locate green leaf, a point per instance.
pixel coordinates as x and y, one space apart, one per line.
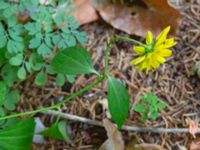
35 61
3 5
3 39
21 73
8 122
16 60
71 78
9 74
144 117
35 42
15 36
154 114
160 105
81 37
44 50
18 136
14 46
41 78
2 113
72 61
49 69
118 101
2 56
69 39
60 79
3 92
33 28
12 21
57 131
28 67
139 108
11 100
8 12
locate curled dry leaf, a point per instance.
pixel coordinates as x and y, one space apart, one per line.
115 140
195 145
133 145
193 127
85 13
148 15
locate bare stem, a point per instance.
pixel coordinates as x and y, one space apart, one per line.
125 127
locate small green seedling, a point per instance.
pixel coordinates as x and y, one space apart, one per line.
197 69
149 107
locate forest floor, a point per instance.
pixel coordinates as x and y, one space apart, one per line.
174 83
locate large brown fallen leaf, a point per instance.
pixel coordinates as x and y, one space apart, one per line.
115 140
85 13
152 15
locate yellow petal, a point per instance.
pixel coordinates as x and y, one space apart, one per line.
160 59
148 66
137 60
149 38
165 53
141 66
139 50
155 63
168 43
162 36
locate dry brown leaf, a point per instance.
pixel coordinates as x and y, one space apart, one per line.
145 146
115 140
133 145
195 145
193 127
178 147
85 13
138 19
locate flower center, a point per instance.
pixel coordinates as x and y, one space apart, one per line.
149 48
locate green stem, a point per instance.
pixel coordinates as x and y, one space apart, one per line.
116 39
28 112
119 38
109 46
101 78
59 115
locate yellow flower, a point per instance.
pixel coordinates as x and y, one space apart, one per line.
153 53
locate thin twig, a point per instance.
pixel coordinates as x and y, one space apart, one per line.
126 128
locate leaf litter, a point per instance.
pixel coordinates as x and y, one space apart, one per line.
137 18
